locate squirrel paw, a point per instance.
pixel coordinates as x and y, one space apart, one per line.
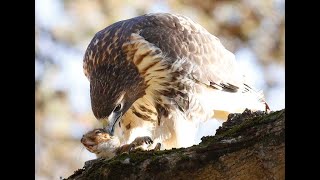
132 148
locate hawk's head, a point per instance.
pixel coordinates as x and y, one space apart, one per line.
113 89
115 82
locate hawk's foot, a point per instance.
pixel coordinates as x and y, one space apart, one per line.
157 147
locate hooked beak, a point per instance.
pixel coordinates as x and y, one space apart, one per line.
113 119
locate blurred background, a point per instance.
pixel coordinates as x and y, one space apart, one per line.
253 30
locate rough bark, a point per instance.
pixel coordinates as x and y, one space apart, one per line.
247 146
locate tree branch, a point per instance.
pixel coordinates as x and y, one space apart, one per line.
247 146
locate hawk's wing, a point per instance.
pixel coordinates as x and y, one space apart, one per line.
179 37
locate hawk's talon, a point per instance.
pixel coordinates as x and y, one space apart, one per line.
157 147
145 139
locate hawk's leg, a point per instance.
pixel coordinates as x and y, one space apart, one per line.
139 141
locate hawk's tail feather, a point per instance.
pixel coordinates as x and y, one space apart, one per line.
259 94
225 102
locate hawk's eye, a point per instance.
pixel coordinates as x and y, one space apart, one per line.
117 108
98 132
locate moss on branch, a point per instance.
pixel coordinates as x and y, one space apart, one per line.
247 146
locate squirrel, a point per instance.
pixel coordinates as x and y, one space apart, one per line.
101 143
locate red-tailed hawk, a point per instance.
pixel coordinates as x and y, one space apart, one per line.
160 75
